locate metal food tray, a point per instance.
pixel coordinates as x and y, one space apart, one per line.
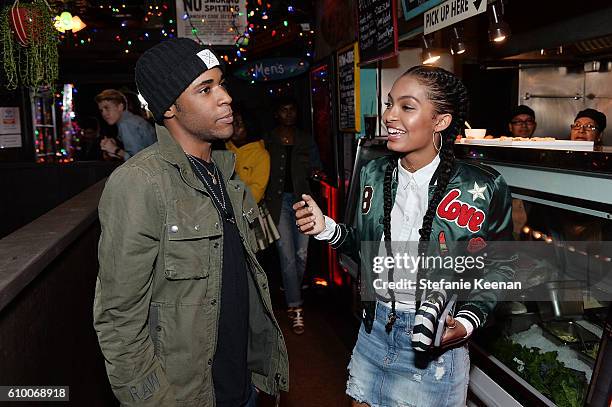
561 330
582 354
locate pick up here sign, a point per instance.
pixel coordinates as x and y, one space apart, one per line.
451 12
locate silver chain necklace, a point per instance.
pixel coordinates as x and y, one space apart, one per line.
197 166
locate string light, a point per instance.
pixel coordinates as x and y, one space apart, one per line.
156 15
262 19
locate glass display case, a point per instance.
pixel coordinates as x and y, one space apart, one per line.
552 349
551 344
44 125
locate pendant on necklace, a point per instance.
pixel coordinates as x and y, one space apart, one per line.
214 180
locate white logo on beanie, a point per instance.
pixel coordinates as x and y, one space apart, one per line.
209 59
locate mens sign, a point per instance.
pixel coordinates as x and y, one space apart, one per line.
451 12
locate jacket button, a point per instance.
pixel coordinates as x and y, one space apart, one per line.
173 228
216 245
209 362
216 225
250 212
213 301
284 381
158 328
197 227
237 187
282 168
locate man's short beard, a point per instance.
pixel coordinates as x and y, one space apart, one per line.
208 137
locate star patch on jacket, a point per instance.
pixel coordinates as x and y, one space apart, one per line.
477 192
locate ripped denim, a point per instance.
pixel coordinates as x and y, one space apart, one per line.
384 371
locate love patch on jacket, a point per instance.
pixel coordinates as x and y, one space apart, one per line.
464 215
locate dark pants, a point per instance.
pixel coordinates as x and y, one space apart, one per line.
252 398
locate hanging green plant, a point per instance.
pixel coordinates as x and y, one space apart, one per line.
29 45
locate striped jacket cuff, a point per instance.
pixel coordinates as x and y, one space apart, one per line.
472 314
339 236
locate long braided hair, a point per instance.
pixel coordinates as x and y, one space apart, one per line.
448 96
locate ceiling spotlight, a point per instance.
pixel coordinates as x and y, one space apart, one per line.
457 44
499 30
428 55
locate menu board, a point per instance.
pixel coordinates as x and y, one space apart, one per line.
377 29
348 89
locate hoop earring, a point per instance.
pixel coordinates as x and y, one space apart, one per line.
433 140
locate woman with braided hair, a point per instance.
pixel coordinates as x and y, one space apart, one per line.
428 198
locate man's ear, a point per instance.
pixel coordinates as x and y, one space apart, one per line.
442 122
170 113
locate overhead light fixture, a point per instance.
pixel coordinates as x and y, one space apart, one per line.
499 30
428 55
457 44
67 22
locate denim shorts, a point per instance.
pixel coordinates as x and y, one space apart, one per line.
384 371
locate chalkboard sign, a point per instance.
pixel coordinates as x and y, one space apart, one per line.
348 89
377 29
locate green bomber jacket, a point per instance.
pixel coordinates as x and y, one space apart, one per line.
157 297
465 218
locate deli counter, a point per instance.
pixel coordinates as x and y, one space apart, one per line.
556 350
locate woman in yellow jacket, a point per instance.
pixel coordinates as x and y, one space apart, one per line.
252 158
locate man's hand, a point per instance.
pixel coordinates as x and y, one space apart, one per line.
109 145
453 335
309 217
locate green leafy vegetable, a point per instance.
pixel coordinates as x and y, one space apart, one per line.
565 387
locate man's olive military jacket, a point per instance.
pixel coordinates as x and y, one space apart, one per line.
157 295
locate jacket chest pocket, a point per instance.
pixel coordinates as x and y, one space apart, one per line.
193 237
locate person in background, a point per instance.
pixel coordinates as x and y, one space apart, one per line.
290 149
133 131
133 103
252 158
522 122
89 143
588 125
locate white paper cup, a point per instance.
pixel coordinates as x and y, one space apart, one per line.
475 133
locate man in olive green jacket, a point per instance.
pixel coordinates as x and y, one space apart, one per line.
173 310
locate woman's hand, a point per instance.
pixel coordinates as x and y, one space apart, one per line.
309 217
453 335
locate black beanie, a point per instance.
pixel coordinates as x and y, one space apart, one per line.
597 116
522 109
164 71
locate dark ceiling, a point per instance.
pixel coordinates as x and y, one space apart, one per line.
119 31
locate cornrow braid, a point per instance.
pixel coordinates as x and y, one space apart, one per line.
448 95
387 207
